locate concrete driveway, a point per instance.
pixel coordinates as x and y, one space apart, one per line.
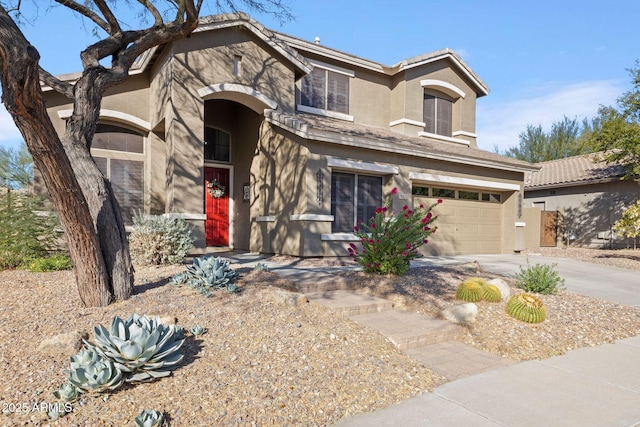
598 281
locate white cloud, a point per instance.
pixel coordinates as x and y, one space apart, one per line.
9 133
500 124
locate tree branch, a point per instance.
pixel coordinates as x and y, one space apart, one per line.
58 85
111 19
85 11
153 10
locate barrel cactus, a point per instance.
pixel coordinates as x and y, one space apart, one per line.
527 308
491 293
478 280
91 372
140 347
469 291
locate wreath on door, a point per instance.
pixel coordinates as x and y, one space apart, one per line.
216 189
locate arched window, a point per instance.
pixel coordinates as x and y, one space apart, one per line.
118 153
438 113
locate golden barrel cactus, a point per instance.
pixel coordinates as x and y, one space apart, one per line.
469 291
527 308
491 293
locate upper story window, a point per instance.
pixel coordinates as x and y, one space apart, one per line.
438 114
217 145
326 91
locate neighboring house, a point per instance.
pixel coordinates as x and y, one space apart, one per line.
301 142
589 196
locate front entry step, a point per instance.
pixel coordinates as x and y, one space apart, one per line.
409 330
348 303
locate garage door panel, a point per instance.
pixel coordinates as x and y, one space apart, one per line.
464 227
468 212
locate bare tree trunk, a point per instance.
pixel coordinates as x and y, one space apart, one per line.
106 216
22 96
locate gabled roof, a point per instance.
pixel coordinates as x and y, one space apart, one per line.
416 61
572 171
325 129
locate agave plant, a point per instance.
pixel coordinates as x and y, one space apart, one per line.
198 330
212 272
142 348
261 267
91 372
67 392
149 418
178 279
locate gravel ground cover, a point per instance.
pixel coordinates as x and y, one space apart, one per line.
264 362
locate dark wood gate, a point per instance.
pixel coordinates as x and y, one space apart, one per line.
548 228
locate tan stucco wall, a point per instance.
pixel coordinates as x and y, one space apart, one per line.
279 186
585 209
207 58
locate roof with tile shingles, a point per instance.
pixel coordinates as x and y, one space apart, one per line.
571 171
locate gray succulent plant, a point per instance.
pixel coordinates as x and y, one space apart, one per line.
91 372
213 273
140 347
149 418
67 392
178 279
198 330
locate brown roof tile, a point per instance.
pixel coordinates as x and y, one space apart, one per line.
315 127
575 170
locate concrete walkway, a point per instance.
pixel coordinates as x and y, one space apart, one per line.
597 386
594 386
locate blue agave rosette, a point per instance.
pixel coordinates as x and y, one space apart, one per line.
141 347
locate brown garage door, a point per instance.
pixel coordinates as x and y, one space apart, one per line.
464 227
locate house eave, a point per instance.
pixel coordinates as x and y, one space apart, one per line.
571 184
305 131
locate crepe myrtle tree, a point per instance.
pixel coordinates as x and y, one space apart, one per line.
83 198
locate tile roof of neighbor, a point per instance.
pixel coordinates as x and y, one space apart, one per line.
573 171
327 129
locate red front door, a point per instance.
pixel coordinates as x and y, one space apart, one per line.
217 207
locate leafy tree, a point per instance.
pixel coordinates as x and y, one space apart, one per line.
16 167
617 130
84 200
565 139
629 224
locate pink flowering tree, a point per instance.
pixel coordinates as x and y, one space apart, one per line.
391 240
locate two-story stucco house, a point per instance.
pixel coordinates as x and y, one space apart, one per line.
273 144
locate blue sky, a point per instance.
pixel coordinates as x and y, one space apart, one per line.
541 60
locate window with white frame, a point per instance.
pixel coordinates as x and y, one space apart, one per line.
354 199
324 89
437 113
121 161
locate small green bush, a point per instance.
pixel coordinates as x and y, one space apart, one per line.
24 234
539 278
55 262
159 240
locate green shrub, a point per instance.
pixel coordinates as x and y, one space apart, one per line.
23 233
391 240
159 240
539 278
55 262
